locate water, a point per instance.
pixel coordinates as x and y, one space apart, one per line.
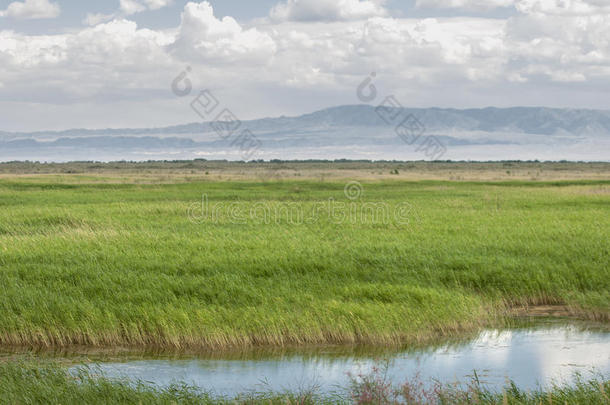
527 356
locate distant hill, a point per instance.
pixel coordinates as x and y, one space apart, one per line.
339 132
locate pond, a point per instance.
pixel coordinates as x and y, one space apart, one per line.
530 357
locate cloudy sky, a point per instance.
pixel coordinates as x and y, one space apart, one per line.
98 64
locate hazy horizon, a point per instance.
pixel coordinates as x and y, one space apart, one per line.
382 132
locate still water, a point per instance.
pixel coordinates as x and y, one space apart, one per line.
529 357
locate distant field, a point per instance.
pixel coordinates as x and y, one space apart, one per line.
201 170
124 255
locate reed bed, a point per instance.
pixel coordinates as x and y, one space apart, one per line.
108 264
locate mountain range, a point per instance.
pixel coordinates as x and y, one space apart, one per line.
358 131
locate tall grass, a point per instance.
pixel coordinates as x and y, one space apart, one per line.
121 264
374 389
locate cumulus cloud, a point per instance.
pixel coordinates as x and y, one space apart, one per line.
97 18
115 58
126 8
327 10
31 9
562 40
429 59
478 5
135 6
563 7
557 7
202 36
530 46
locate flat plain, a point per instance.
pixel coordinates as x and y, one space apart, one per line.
128 254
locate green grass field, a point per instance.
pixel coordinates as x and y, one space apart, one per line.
86 260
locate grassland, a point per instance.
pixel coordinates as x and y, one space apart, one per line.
107 256
26 383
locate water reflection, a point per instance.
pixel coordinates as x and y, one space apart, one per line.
527 356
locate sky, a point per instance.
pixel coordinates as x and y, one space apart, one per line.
109 64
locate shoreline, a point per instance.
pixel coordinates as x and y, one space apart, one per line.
516 318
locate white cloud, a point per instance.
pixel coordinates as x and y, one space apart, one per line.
540 52
157 4
31 9
565 41
97 18
478 5
129 7
564 7
524 48
126 8
557 7
203 37
327 10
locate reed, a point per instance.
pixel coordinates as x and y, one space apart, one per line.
84 262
